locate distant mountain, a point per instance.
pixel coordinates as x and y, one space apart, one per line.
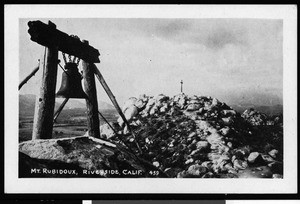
251 98
27 104
270 104
269 110
80 103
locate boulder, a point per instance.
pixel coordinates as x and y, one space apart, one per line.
154 110
192 134
181 100
207 164
255 158
267 158
131 101
193 107
194 101
183 174
214 102
214 139
273 153
194 97
228 120
88 156
228 112
144 98
140 104
239 164
242 152
225 131
202 145
203 125
130 112
106 131
161 98
254 117
256 172
208 175
196 170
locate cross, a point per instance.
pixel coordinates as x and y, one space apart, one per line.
181 86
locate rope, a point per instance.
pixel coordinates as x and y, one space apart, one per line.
62 67
108 123
64 57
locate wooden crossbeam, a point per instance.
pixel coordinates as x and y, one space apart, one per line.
49 36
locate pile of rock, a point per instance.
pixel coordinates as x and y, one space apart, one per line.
254 117
198 137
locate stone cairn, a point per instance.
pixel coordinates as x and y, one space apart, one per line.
199 136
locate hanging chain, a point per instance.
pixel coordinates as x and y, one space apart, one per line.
75 59
69 56
64 57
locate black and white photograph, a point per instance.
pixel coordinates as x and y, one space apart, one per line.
139 98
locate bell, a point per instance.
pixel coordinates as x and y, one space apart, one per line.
71 83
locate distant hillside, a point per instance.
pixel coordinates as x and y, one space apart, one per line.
251 98
80 103
27 104
269 110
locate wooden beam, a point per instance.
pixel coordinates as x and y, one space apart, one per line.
91 101
114 101
43 118
110 95
29 77
48 36
56 114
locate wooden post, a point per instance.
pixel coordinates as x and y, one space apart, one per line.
43 117
91 102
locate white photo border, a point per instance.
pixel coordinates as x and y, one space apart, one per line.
288 184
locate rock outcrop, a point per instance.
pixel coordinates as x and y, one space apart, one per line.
255 117
80 157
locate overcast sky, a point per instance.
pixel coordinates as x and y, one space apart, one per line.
230 59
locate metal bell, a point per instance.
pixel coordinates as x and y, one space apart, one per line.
71 83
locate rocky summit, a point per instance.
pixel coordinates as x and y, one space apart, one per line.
201 137
177 137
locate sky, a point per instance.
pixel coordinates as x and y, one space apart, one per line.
233 60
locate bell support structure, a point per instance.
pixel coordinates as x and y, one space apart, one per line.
54 41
